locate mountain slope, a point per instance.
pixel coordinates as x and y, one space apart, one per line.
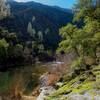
47 18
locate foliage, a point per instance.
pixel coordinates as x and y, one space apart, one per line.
4 9
16 52
3 50
36 41
78 64
30 30
68 43
85 40
11 50
42 18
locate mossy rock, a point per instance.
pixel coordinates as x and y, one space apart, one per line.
96 72
84 84
66 89
83 87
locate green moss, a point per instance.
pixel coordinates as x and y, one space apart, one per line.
83 87
66 89
96 72
96 69
81 84
53 98
57 98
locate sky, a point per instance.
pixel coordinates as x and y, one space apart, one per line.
60 3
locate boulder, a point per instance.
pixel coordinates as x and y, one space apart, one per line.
45 91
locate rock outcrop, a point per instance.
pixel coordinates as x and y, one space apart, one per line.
45 91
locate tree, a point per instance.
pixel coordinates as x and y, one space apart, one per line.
3 51
69 42
86 39
30 30
15 54
40 35
18 50
12 38
4 9
41 48
33 19
87 8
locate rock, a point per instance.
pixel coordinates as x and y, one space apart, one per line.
49 79
0 98
36 91
76 84
43 80
59 84
45 91
28 98
97 98
79 97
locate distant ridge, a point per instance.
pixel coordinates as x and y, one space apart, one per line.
46 17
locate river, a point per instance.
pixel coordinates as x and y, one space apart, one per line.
26 79
23 78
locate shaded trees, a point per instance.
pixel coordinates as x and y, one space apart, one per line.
12 51
36 39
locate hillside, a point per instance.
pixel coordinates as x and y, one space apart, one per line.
48 19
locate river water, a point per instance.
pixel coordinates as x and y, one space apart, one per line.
23 78
28 79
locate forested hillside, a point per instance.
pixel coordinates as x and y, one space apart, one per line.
43 18
29 31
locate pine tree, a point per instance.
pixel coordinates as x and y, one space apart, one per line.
4 9
30 30
40 35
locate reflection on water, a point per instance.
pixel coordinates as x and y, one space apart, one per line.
22 79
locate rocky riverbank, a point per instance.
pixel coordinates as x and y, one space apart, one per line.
49 79
53 87
83 87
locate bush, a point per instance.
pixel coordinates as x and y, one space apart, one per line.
78 65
